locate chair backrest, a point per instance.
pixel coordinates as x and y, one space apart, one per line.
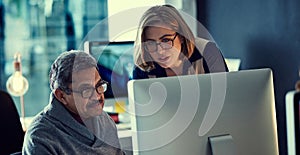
11 131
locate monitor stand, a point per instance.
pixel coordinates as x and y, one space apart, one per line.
222 144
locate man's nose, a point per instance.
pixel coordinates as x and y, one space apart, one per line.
96 95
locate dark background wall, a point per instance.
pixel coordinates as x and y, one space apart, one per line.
262 34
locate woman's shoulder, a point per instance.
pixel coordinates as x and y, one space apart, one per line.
212 55
201 40
201 43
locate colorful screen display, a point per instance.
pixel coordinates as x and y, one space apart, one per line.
115 63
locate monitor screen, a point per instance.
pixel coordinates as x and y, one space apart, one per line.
207 114
115 63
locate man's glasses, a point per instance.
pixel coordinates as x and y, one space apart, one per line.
165 43
88 92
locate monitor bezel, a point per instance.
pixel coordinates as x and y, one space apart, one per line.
88 44
296 121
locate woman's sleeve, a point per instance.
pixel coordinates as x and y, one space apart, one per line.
214 58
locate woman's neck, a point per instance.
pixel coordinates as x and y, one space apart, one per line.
174 71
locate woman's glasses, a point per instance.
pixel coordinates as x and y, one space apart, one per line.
165 43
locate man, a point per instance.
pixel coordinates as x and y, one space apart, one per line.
74 121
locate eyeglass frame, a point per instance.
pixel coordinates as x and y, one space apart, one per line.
101 83
159 43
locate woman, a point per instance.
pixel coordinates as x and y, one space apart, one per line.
165 46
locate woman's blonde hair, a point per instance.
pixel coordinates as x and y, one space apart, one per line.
166 15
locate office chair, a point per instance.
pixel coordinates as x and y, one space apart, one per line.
11 131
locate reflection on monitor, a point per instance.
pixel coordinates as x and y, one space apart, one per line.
115 63
219 113
293 121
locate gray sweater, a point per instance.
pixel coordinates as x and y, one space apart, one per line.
54 131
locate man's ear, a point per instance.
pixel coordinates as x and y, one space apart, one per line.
60 95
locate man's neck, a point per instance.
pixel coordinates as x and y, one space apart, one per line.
76 117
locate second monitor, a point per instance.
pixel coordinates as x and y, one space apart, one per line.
115 63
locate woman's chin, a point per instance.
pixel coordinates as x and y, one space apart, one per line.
164 65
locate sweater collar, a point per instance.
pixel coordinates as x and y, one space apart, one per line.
57 111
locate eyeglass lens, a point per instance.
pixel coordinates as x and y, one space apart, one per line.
165 43
100 88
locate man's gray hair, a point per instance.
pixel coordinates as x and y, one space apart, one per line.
65 64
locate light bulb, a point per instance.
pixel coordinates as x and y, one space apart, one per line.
17 84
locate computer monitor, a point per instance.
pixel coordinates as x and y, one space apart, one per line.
115 63
218 113
293 120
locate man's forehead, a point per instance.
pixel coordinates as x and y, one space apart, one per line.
87 76
87 71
